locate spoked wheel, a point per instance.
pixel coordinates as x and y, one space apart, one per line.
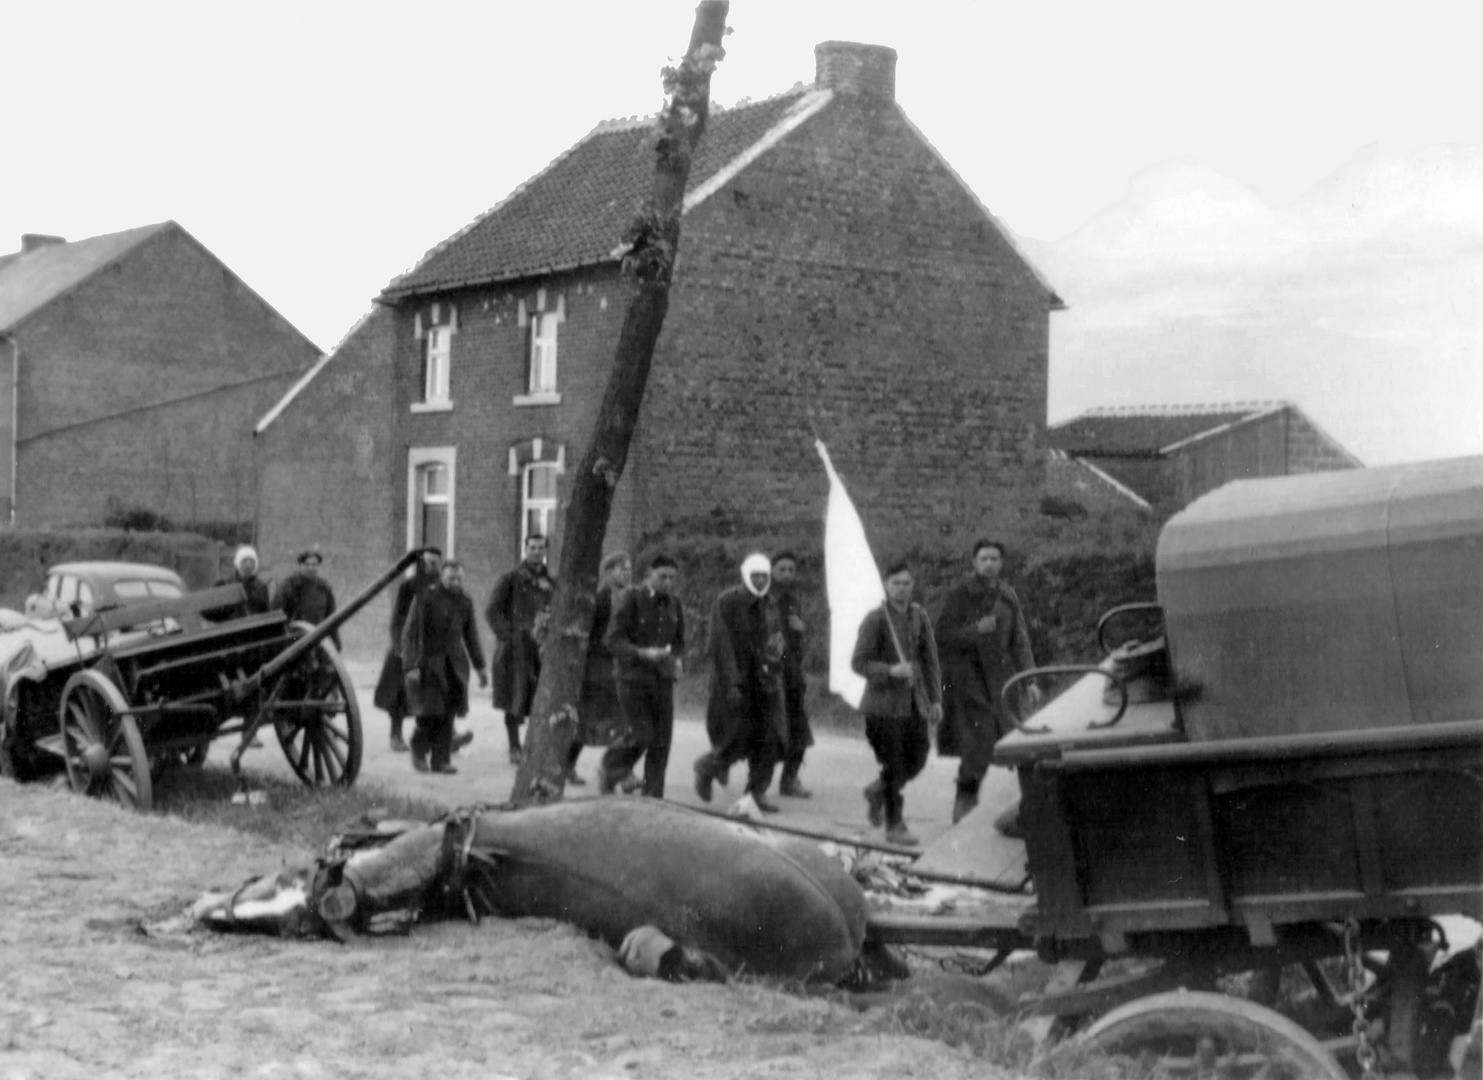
103 748
1197 1034
313 709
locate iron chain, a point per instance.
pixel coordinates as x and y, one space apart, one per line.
1354 969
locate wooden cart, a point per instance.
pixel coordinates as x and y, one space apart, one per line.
1179 828
113 697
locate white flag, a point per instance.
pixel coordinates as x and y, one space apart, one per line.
852 582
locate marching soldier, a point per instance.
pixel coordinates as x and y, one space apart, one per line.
517 613
307 597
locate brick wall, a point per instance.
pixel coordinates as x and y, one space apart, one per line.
844 284
141 386
1071 480
1248 450
488 373
327 476
1310 450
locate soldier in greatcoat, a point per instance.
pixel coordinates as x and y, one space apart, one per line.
646 637
391 687
795 685
897 655
305 596
440 643
744 715
517 613
597 707
984 643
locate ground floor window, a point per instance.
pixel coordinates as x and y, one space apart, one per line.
538 501
430 505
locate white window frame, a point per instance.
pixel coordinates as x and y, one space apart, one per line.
417 459
541 375
437 369
547 506
542 322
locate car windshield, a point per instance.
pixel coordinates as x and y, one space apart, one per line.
133 589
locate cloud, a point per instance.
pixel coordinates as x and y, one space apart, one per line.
1358 300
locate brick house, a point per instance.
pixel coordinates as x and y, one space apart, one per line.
835 276
134 366
1161 458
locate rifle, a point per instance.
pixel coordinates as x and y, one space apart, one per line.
918 688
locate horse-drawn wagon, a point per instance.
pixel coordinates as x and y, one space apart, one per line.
113 694
1283 770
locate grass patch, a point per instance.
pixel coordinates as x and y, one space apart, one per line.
1001 1040
293 813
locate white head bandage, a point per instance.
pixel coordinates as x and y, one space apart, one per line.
245 552
756 564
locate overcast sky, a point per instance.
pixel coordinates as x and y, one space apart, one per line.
1251 200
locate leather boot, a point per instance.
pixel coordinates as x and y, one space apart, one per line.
704 781
875 802
1008 823
790 786
900 834
766 805
962 805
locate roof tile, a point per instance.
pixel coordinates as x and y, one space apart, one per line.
1146 430
576 211
34 279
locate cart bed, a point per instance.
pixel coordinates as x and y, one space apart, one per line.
973 852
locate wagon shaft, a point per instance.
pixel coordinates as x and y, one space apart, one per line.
113 695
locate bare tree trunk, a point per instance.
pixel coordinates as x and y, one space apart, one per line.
653 240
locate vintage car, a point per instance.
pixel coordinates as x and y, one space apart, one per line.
81 588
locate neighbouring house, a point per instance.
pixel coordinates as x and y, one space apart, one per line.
1162 457
133 367
836 279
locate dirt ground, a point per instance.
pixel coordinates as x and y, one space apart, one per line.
85 992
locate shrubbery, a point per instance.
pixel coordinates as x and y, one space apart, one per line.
119 515
25 555
1067 570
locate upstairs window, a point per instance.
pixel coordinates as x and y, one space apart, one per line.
542 374
540 316
437 355
434 330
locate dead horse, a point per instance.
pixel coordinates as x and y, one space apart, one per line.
679 893
755 901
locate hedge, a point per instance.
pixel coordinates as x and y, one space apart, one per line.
1067 572
26 554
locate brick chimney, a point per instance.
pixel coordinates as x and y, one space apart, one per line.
35 241
848 67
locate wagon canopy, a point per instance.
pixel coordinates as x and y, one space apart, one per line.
1328 602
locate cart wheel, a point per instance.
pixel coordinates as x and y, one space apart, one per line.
314 711
1192 1033
103 748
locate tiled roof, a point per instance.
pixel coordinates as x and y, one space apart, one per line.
576 211
1147 431
31 280
1071 477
